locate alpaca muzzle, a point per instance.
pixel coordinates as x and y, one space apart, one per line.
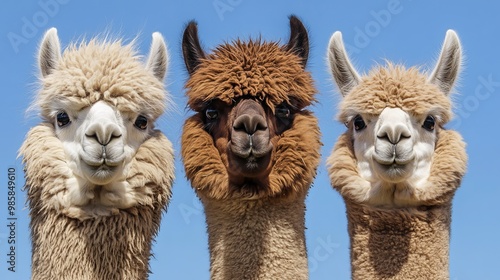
250 146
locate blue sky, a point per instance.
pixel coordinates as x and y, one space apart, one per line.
404 31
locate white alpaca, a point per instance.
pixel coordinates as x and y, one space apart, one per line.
396 167
98 174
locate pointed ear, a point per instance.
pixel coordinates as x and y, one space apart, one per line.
341 67
191 49
299 41
49 53
158 57
446 71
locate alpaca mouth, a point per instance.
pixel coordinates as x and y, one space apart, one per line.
101 159
100 170
392 160
393 171
250 163
100 174
250 152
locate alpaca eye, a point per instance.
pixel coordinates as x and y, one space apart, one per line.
141 122
211 114
359 123
282 111
429 123
63 119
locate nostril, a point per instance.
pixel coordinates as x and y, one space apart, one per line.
103 134
249 124
261 125
93 136
394 136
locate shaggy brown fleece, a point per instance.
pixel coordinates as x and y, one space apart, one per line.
108 247
271 74
406 243
254 233
263 70
294 161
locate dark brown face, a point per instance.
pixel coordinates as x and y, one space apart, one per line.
245 134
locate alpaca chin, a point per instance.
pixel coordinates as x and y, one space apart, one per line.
102 175
251 167
393 173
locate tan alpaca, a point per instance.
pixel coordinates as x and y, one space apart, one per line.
251 152
98 175
396 166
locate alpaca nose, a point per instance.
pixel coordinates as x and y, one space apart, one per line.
393 132
103 133
249 123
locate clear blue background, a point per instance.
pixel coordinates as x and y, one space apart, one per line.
412 35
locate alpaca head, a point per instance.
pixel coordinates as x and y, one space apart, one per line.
102 102
249 136
394 116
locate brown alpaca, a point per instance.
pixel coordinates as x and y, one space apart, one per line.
396 167
98 175
251 152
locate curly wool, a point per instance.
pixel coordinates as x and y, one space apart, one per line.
394 86
94 244
294 160
449 164
262 70
254 233
271 74
101 70
401 243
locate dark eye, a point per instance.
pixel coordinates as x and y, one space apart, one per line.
429 123
359 123
282 112
63 119
211 114
141 122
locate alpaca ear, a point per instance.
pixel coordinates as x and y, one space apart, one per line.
191 49
446 71
299 41
158 56
49 53
341 68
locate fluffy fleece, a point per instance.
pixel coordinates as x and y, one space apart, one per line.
101 70
410 242
394 86
107 247
99 247
271 74
261 237
264 70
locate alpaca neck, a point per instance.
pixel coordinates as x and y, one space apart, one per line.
113 247
256 239
399 243
117 246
